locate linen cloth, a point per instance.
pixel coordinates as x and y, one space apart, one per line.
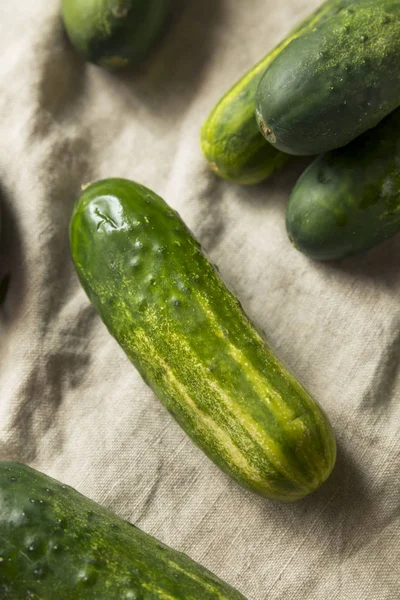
73 406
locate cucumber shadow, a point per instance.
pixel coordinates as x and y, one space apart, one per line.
12 270
276 187
166 82
63 78
339 510
381 263
344 491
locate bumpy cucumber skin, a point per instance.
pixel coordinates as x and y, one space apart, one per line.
114 33
348 200
331 85
230 138
56 543
189 338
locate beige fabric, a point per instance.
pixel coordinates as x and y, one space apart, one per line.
71 403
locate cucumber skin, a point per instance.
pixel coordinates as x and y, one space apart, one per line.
230 138
348 200
192 343
56 543
114 33
333 84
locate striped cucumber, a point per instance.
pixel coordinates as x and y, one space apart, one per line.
57 544
192 343
230 139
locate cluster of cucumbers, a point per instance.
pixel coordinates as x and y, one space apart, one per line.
331 88
332 79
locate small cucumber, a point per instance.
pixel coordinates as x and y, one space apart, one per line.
230 138
57 544
335 82
114 33
189 338
348 200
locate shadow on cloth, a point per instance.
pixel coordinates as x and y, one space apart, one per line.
11 262
343 492
381 263
277 186
340 508
63 77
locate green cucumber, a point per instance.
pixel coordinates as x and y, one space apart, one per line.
230 138
56 543
332 84
114 33
348 200
189 338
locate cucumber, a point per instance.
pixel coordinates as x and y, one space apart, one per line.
348 200
189 338
230 139
56 543
114 33
332 84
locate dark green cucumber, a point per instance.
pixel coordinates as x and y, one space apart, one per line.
348 200
57 544
230 138
114 33
334 83
191 341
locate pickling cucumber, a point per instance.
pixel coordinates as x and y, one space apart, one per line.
114 33
230 139
348 200
335 82
57 544
189 338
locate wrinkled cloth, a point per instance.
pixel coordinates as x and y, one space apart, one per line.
73 406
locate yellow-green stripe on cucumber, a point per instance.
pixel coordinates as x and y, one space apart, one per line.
189 338
230 139
57 544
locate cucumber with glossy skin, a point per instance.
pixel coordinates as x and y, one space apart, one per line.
56 543
230 138
348 200
114 33
189 338
334 83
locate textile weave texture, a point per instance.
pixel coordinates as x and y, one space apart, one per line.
73 406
